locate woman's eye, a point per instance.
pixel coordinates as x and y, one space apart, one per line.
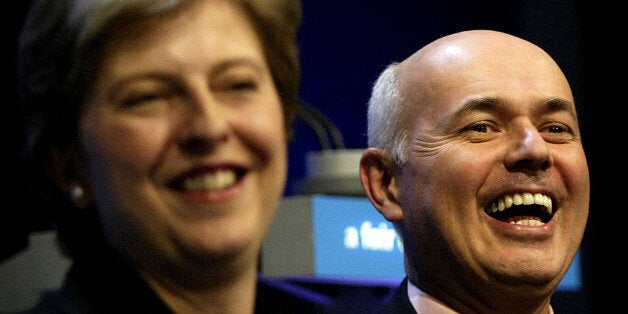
137 100
243 85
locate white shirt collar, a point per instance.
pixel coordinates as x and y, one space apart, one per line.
424 303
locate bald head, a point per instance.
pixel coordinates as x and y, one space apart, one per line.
481 48
477 62
451 70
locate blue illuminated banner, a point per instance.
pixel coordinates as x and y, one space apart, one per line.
351 239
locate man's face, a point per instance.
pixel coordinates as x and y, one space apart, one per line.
490 131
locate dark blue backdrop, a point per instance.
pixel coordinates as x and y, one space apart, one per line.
345 44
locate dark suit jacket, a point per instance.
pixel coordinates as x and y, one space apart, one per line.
399 302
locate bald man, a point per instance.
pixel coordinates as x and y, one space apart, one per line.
475 155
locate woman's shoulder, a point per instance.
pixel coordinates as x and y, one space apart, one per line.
281 296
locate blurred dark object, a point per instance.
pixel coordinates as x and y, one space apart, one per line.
23 211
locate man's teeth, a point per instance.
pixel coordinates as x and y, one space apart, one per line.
528 222
212 181
522 199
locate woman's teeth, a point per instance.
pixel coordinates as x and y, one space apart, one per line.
211 181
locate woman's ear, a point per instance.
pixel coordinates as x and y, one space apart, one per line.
64 170
377 174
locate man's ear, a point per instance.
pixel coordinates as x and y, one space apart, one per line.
377 174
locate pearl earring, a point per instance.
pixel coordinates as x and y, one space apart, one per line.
76 193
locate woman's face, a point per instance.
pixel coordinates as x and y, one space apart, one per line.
185 138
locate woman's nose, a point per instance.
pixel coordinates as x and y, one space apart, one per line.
206 126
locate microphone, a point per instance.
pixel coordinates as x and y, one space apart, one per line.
334 169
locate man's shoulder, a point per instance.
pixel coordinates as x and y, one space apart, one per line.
399 301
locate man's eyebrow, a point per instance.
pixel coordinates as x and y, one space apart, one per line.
478 104
474 104
490 103
560 104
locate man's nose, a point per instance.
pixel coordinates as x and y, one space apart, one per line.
529 150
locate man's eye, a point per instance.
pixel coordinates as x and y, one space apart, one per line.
480 128
480 131
556 129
